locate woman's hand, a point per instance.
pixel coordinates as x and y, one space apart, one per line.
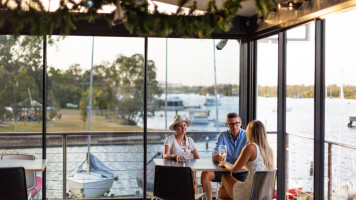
180 158
222 164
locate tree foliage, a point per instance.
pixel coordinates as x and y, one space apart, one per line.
20 74
117 86
303 91
130 93
136 16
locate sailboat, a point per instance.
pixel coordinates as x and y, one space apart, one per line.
91 179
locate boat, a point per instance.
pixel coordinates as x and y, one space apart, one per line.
198 116
174 103
210 101
91 179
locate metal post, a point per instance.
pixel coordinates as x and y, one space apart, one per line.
330 170
248 81
44 113
319 110
281 116
64 144
145 122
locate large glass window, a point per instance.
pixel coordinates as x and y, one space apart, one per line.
267 80
95 104
196 81
300 110
340 105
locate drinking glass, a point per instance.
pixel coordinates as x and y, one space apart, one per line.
184 148
223 152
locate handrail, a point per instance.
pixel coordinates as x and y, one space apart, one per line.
86 133
326 141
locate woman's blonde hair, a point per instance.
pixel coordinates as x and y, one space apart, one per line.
256 133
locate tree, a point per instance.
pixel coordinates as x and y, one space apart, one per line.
83 112
129 87
66 86
101 97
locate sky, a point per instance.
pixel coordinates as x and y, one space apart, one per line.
191 61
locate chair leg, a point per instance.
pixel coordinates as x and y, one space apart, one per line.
29 196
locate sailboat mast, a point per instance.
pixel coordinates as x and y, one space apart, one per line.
165 104
91 94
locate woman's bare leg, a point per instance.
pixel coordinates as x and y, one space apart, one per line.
222 194
228 183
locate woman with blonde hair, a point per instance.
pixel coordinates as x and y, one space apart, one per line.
257 155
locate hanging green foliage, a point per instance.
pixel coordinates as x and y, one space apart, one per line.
135 16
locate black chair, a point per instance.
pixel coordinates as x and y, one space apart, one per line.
13 184
263 185
174 183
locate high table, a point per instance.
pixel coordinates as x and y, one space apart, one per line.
194 164
30 165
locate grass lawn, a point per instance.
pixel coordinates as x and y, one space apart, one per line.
70 121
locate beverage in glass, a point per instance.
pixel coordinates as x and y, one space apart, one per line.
184 149
222 152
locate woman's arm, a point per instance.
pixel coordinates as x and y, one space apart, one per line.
248 153
167 155
195 153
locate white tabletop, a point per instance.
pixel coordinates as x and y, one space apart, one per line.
30 165
194 164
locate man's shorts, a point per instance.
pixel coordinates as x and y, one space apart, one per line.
241 176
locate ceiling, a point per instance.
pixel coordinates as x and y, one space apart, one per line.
248 7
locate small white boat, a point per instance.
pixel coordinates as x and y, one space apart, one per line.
89 185
91 179
198 116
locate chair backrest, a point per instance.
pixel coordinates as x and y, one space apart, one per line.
173 183
13 184
30 176
263 185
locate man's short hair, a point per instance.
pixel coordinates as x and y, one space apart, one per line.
232 115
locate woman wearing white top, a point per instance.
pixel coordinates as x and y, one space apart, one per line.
173 145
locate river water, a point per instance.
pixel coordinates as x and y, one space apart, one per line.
127 159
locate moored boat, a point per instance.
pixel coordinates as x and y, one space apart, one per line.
174 103
198 116
91 179
211 102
